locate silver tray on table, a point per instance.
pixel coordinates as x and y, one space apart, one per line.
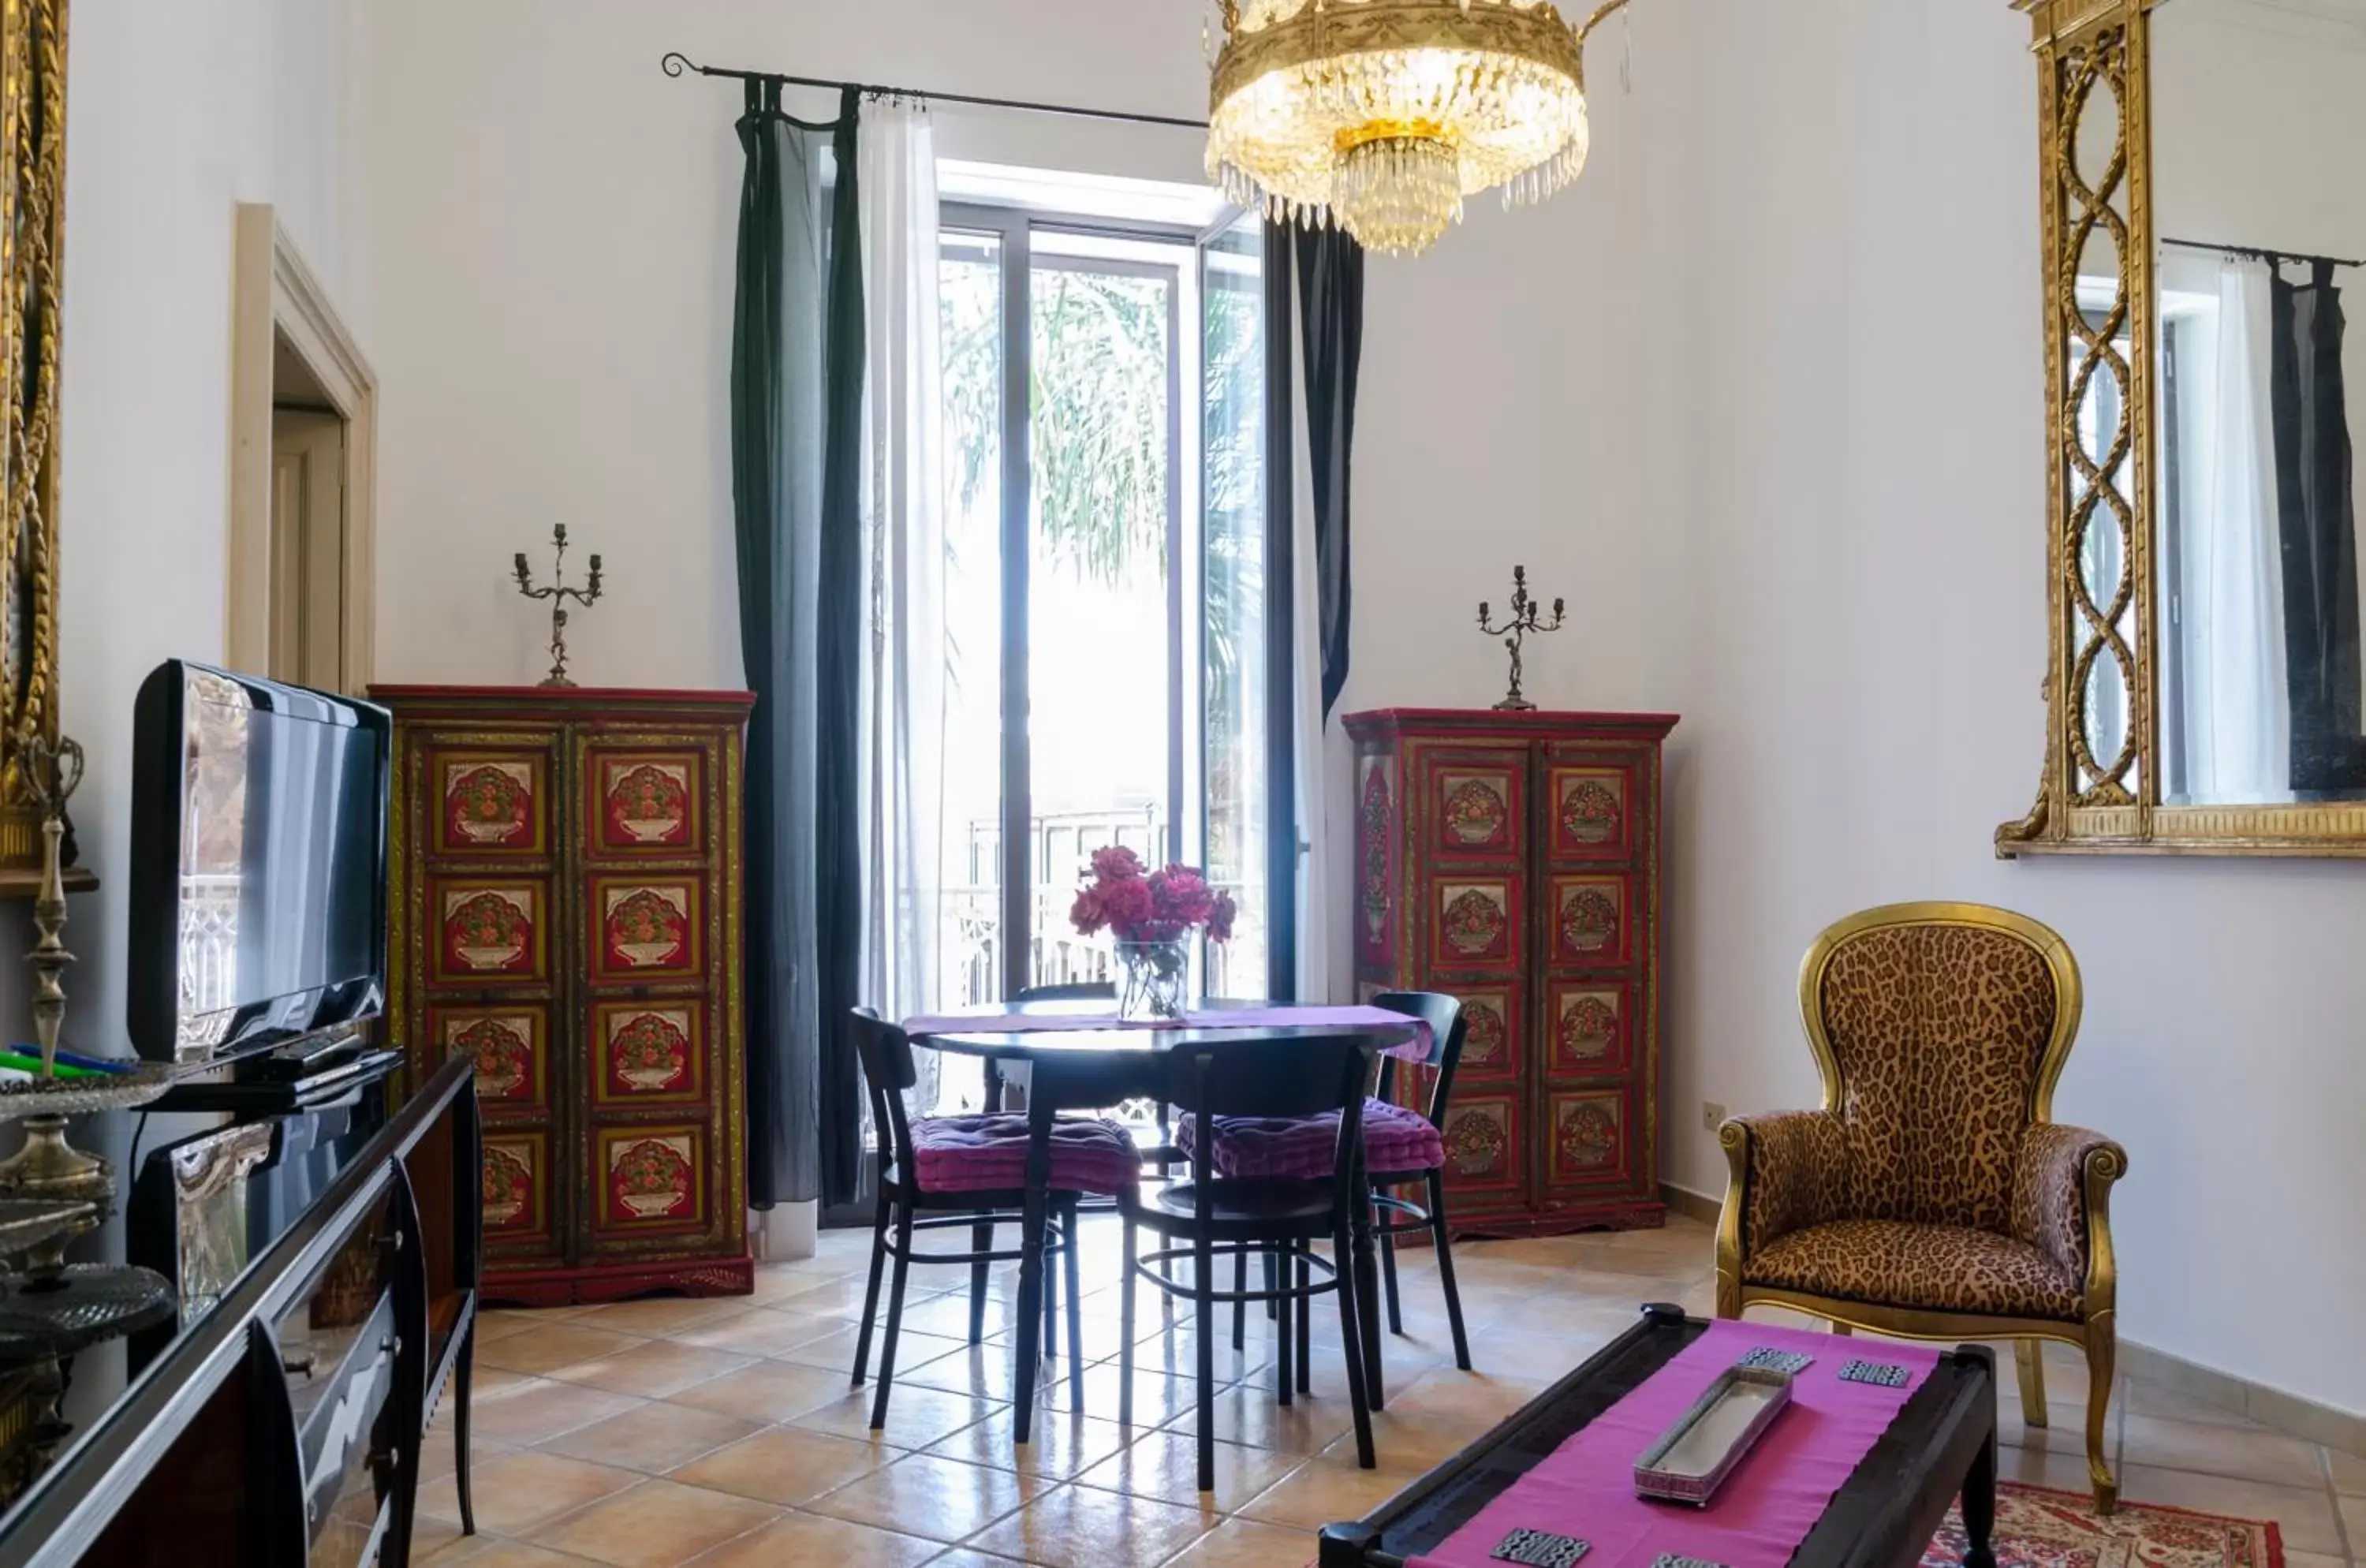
1692 1459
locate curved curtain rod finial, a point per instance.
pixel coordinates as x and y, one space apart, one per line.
676 62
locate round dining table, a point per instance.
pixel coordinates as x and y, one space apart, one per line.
1078 1060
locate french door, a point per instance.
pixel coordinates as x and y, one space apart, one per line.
1108 587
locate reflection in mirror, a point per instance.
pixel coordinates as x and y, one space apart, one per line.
2260 112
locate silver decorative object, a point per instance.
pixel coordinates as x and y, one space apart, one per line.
1696 1455
558 593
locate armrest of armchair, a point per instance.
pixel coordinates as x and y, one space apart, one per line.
2061 1203
1785 1174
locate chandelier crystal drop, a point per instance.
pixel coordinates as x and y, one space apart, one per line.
1383 115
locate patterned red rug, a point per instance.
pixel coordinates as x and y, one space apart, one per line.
2039 1528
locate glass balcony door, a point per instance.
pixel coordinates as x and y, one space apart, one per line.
1104 424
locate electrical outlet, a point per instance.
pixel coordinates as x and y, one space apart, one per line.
1712 1115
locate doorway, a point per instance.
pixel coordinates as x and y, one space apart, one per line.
308 526
304 410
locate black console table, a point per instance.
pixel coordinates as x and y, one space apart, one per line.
281 1423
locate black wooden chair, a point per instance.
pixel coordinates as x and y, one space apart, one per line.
1446 1027
1205 1215
937 1172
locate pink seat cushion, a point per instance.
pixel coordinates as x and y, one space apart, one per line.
1301 1148
980 1154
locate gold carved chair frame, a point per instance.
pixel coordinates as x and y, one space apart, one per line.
2095 187
33 239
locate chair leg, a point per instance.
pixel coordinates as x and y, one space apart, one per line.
2029 1355
1239 1308
1305 1323
1272 1273
894 1317
1052 1290
1204 1264
1368 1306
871 1295
1285 1376
1442 1243
1351 1335
1076 1317
981 1239
2102 1344
1125 1333
1382 1221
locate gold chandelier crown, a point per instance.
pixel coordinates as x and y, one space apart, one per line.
1383 115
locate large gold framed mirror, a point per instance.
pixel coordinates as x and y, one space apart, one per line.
32 238
2202 217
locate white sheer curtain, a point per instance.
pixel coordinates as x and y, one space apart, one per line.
903 695
2238 709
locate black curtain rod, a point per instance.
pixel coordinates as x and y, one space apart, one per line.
677 63
2261 252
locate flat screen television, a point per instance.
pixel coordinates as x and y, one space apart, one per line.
258 863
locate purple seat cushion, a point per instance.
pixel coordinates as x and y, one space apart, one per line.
980 1154
1302 1148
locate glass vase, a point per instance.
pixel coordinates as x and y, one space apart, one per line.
1152 979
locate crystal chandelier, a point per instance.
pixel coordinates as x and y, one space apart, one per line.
1383 115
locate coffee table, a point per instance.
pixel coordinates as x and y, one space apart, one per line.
1943 1445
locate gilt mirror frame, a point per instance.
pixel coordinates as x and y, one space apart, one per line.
2094 57
32 246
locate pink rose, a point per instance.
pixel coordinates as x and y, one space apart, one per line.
1220 917
1126 907
1089 914
1116 863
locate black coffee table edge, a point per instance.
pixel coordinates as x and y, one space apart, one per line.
1941 1445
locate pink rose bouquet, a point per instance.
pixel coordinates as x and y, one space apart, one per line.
1137 904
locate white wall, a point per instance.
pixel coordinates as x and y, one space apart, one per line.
178 110
1847 427
1760 397
554 222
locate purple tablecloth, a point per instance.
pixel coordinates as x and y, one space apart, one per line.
1254 1018
1763 1513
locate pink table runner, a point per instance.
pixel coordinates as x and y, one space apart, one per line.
1586 1488
1038 1023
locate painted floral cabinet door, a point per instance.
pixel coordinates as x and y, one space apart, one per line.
571 866
1513 861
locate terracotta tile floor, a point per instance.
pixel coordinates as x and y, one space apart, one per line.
664 1432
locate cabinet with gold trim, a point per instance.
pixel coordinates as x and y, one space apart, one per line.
566 914
1513 861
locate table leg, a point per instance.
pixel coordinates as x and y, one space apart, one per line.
1027 1343
1979 1507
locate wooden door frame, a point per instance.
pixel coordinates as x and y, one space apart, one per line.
276 295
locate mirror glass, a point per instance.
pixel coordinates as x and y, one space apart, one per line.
2259 202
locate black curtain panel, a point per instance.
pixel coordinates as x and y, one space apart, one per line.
793 429
838 923
2319 535
1331 324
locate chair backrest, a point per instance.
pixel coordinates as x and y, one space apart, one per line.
1940 1030
1082 991
1446 1028
1269 1079
887 1070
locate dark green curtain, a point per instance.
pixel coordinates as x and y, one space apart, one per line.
796 403
1330 329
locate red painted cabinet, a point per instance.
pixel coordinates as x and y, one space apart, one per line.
567 913
1513 861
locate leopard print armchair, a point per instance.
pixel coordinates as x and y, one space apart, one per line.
1933 1197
